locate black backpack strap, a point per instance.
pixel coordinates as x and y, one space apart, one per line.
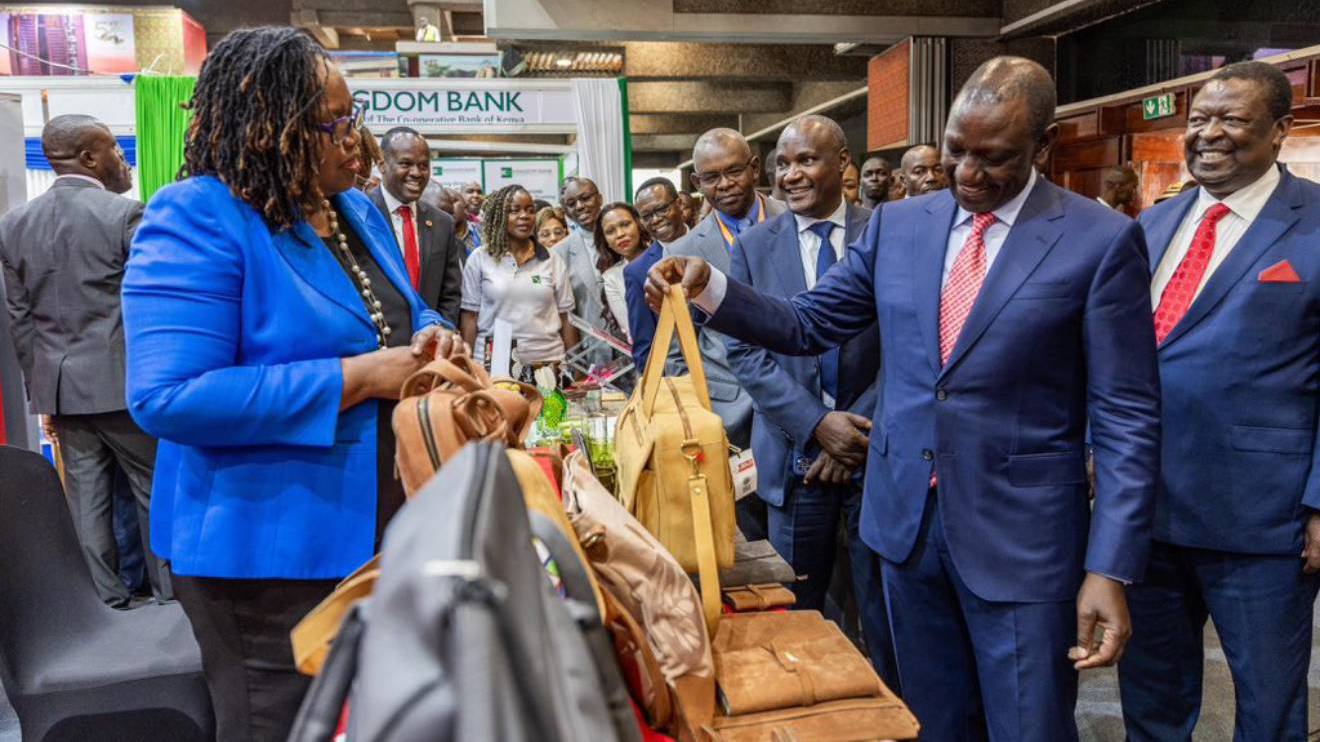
322 707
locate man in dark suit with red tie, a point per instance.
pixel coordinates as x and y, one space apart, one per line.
1236 293
1013 316
425 234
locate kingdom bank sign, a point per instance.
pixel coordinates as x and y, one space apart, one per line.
439 106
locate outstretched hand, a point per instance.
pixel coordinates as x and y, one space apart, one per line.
691 273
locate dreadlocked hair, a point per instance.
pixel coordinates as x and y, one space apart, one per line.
495 220
254 121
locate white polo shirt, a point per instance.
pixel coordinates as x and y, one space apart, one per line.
530 297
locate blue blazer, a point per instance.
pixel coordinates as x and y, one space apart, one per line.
1241 379
641 320
785 389
234 336
1060 334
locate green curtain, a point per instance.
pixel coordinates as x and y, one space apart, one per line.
161 125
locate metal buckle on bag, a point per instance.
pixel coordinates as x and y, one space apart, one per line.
692 452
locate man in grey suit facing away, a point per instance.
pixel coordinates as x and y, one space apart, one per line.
725 171
63 255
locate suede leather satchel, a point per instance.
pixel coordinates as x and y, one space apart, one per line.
795 676
672 455
652 607
443 406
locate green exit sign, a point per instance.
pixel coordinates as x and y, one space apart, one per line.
1158 107
438 170
506 172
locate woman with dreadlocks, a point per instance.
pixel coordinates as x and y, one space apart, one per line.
512 278
269 322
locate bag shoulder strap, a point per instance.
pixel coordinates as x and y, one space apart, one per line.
704 535
674 317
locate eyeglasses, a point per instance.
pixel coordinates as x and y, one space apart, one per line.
340 128
572 203
710 180
653 214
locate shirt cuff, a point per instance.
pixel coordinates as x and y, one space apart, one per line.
1119 580
710 299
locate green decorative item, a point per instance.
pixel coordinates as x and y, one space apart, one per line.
162 123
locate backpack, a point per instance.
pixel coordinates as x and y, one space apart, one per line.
463 637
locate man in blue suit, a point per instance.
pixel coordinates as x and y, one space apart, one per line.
809 432
1012 314
1236 293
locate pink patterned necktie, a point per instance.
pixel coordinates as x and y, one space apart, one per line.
1181 288
965 279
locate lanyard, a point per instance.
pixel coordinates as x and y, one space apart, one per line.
724 230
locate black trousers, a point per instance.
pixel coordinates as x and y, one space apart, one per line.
93 447
242 627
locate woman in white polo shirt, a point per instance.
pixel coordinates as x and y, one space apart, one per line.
512 278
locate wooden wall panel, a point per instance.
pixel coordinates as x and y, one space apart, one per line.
887 96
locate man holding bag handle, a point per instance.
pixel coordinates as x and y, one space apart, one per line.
1013 314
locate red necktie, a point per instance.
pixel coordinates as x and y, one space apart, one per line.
965 279
959 295
411 258
1181 289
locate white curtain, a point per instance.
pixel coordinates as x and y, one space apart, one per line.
600 142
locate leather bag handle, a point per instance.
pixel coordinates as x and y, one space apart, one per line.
674 317
707 565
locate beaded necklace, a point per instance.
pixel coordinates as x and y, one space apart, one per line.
369 299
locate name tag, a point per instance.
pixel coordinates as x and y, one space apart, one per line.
743 467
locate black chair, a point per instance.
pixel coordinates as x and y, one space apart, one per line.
74 668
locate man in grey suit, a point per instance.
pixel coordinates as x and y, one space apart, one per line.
425 234
63 256
725 171
582 201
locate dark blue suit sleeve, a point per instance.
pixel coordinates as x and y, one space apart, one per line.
182 303
641 320
1124 408
781 398
841 305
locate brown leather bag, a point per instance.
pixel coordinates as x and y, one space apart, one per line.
443 406
672 455
795 676
662 608
449 403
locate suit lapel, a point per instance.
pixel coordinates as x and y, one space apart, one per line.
928 247
383 248
425 231
855 218
306 252
786 252
1029 240
1160 233
1278 216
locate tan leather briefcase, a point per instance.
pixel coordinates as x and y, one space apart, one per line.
672 456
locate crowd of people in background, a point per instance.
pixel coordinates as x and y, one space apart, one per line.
355 264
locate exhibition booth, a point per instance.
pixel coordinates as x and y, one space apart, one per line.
477 122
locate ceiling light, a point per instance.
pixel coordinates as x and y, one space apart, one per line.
564 63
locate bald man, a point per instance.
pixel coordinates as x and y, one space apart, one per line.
1122 189
1015 316
922 171
63 256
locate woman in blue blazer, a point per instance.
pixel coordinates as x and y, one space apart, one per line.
269 322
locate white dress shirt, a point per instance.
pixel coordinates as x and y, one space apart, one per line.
1244 205
994 237
809 243
392 205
